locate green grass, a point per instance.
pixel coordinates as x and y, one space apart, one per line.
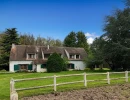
5 80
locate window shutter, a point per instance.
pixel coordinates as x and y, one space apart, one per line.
30 67
72 66
16 67
43 65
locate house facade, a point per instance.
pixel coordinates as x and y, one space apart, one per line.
34 58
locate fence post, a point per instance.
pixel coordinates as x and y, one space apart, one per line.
85 81
54 82
13 93
126 76
12 89
108 77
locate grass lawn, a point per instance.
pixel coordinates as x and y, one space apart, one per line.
5 80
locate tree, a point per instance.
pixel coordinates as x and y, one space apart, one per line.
76 40
40 41
95 55
82 41
27 39
70 40
10 36
55 63
65 64
58 42
117 39
127 3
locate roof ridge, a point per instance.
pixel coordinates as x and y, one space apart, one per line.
51 46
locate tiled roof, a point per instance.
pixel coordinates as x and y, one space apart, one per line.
20 51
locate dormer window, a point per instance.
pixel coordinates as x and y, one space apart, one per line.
77 56
31 56
71 56
74 56
46 56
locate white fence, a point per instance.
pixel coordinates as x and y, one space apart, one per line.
14 94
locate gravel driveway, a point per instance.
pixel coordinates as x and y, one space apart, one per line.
116 92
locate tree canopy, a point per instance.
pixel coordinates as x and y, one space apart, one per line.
76 40
9 37
117 39
29 39
113 46
70 40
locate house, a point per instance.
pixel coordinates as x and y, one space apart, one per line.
34 58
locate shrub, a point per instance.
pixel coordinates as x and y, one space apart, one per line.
3 70
87 69
55 63
65 63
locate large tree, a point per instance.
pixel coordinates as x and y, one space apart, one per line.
117 39
82 40
76 40
95 55
70 40
114 45
10 36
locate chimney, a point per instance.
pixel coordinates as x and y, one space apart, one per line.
47 47
13 46
37 49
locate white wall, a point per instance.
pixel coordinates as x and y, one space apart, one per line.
34 67
39 69
12 63
78 65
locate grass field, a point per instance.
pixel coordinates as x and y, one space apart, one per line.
5 80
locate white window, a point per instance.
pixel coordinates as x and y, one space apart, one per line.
71 56
77 56
46 56
31 56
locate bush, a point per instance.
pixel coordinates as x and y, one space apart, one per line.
65 68
65 61
3 70
55 63
87 69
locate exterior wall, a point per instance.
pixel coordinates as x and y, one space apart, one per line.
34 68
12 63
78 65
39 69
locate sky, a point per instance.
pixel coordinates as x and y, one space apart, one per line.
57 18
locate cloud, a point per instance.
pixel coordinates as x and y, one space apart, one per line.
90 40
88 34
90 37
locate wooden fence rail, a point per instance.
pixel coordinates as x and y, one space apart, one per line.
14 94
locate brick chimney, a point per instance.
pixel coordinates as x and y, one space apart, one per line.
13 46
48 47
